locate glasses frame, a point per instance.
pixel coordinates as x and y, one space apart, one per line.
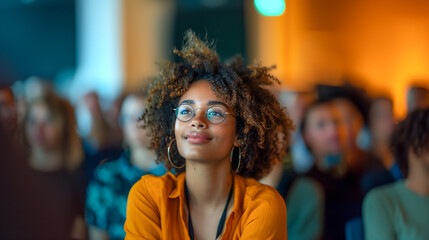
205 113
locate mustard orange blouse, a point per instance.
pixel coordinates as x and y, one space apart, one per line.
157 209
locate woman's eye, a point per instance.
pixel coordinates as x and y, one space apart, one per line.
185 112
216 114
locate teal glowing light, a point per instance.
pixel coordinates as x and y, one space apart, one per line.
270 7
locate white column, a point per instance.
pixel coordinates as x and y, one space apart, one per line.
99 49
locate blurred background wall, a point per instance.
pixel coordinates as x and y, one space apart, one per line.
111 45
379 45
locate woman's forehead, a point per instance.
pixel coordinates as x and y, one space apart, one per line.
200 93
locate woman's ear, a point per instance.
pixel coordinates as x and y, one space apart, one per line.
238 142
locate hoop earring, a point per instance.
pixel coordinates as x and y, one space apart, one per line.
168 155
239 159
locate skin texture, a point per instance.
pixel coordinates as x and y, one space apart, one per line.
221 136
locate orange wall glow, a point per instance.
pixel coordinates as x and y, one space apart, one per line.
383 44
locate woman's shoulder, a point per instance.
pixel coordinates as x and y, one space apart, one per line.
156 185
258 194
157 181
387 191
387 196
263 210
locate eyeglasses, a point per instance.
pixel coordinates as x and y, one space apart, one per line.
215 115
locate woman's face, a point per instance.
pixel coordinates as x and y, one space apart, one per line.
381 120
198 139
134 136
351 122
321 131
43 128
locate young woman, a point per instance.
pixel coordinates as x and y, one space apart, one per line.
216 125
53 175
400 210
342 197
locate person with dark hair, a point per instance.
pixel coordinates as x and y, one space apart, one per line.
400 210
383 169
381 122
104 138
8 115
46 185
417 98
320 131
107 193
352 106
340 186
216 125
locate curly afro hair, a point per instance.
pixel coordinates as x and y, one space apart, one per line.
260 118
410 134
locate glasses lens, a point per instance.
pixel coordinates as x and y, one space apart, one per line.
184 113
216 115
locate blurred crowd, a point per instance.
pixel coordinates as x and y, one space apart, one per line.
57 183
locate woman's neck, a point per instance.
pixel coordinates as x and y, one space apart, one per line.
208 183
381 150
418 180
46 161
142 158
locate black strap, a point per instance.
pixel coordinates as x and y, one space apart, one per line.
221 221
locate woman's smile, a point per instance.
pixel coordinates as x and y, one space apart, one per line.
197 137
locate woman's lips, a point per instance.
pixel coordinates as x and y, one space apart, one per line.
197 138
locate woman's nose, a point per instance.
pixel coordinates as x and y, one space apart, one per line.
200 120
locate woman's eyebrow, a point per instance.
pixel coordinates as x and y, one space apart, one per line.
188 102
217 103
209 103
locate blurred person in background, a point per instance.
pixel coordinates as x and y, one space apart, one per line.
304 196
320 132
46 199
380 122
351 122
352 105
56 156
26 91
320 129
400 210
417 97
107 193
105 132
50 130
11 178
105 136
297 103
8 115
